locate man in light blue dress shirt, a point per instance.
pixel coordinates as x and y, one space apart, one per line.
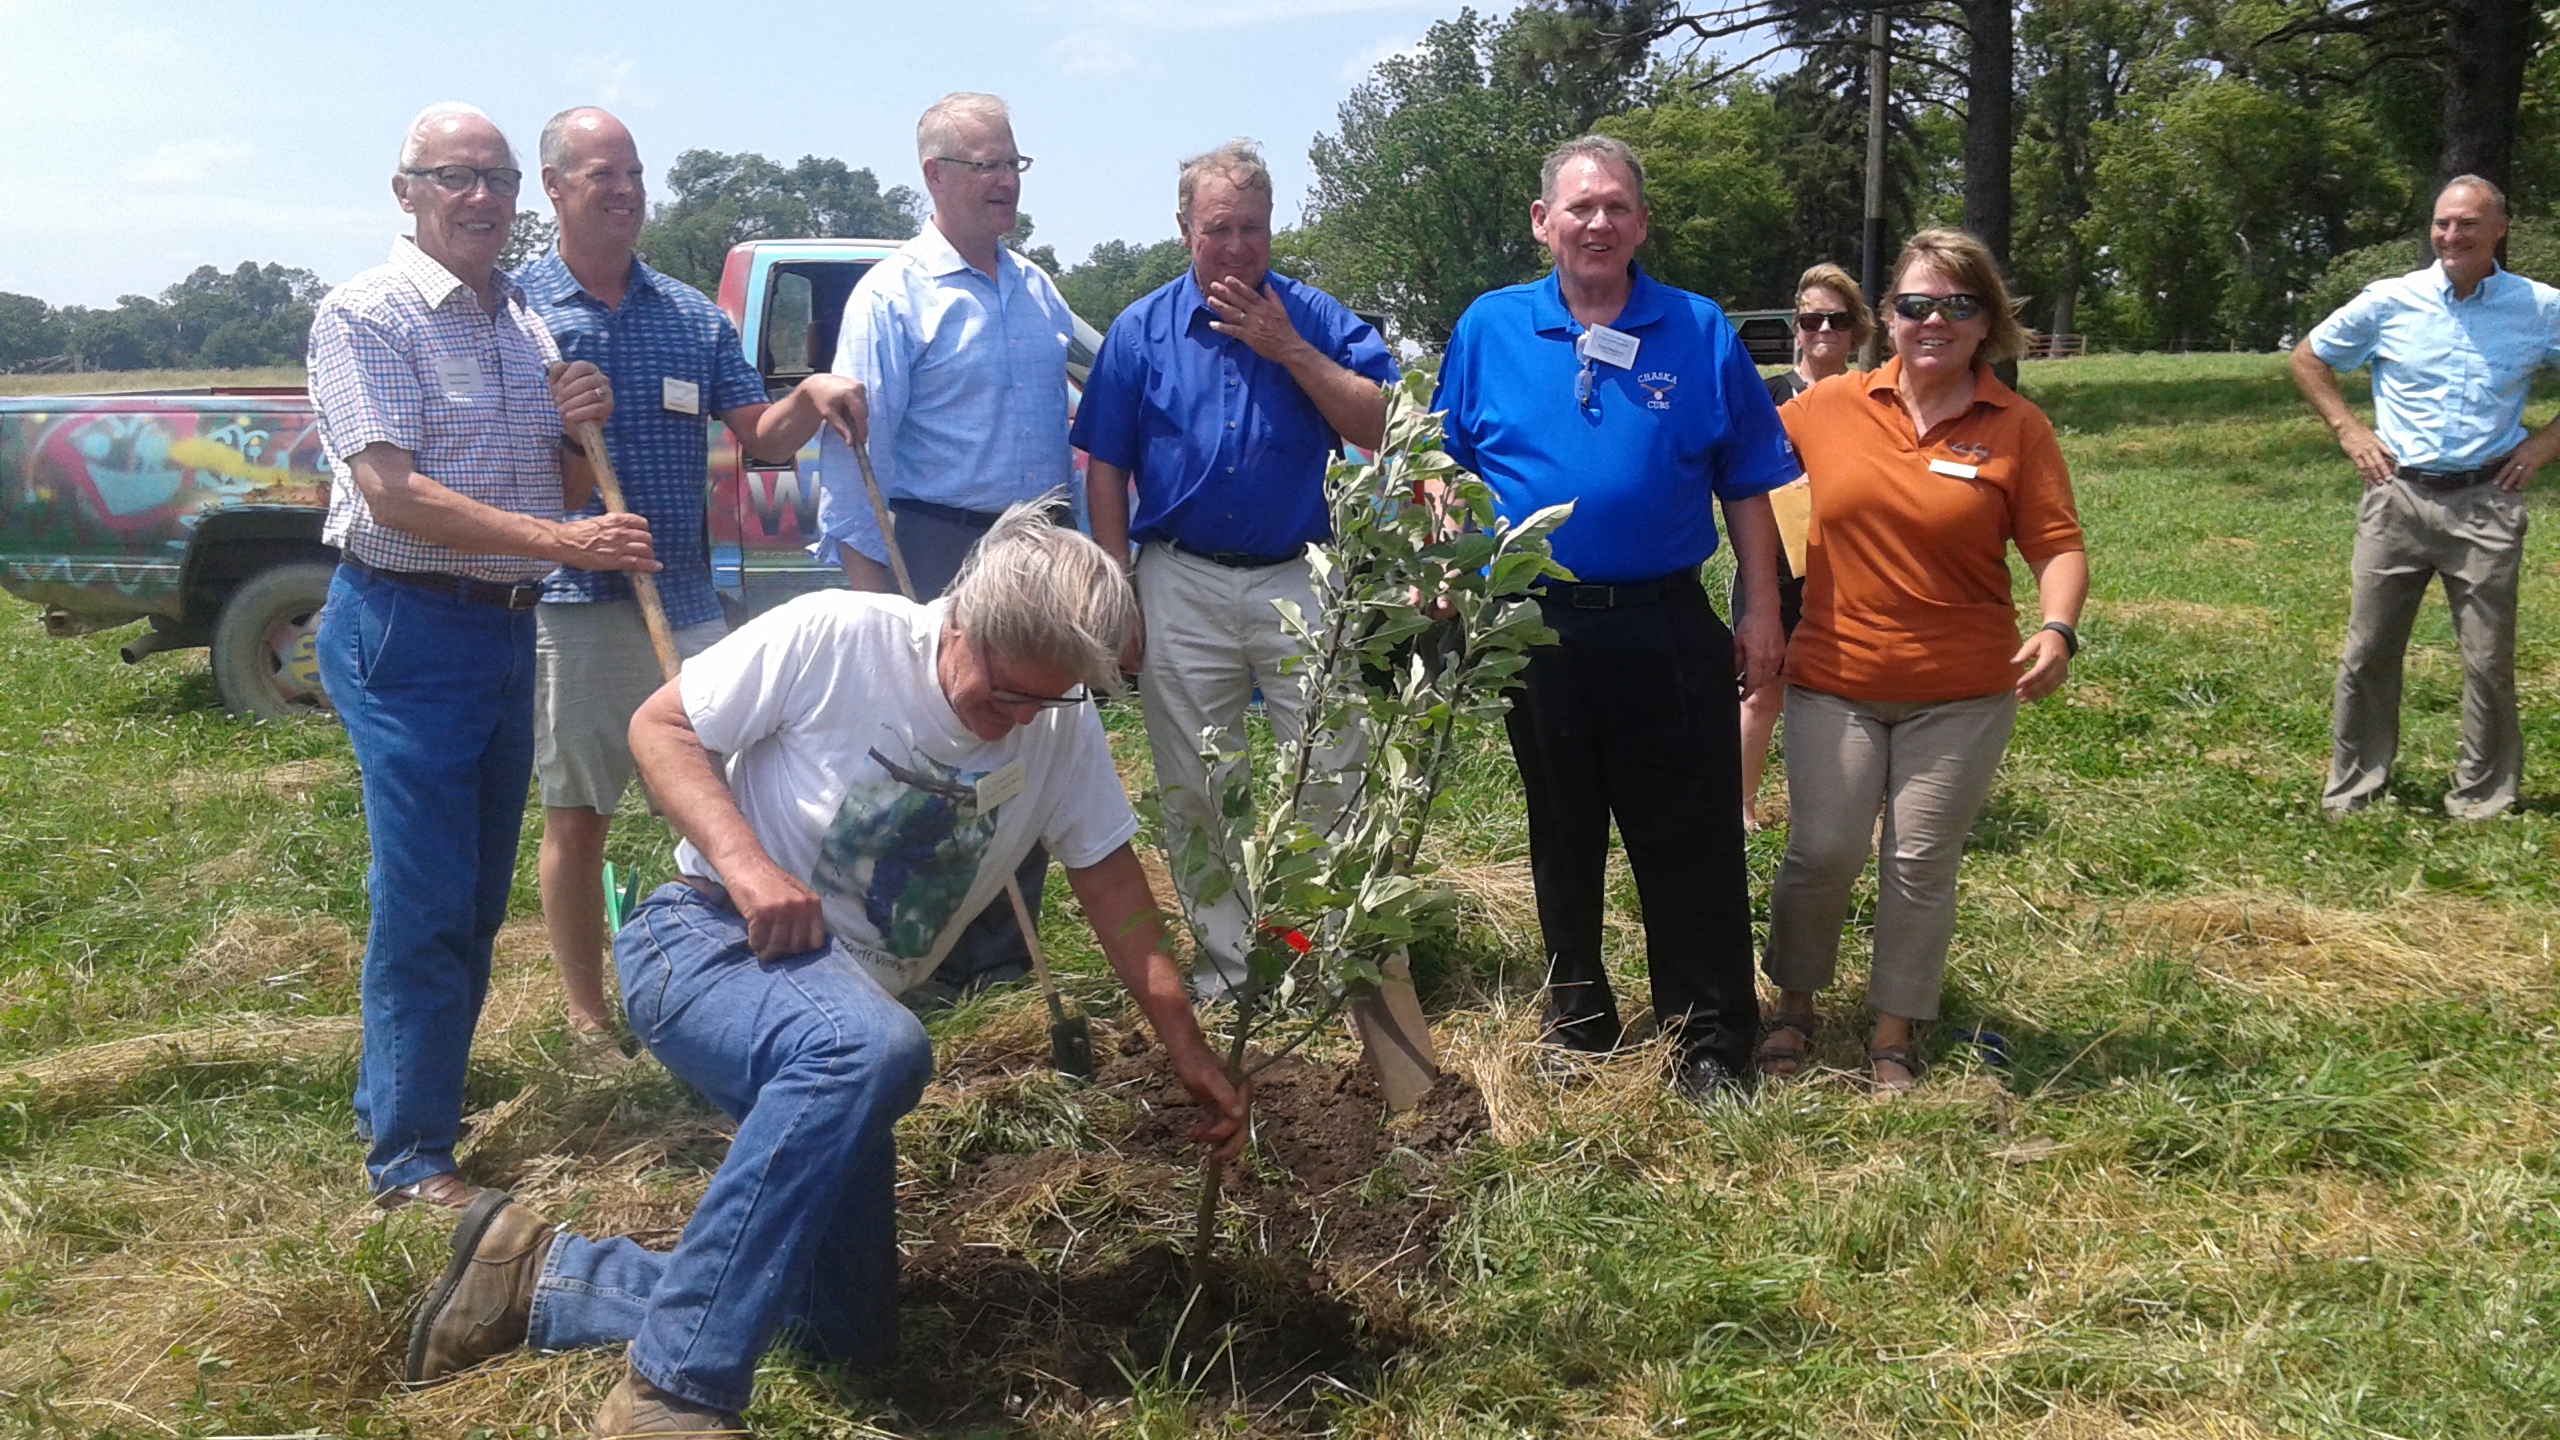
2453 348
962 348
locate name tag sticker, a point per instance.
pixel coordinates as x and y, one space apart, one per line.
1001 784
1609 347
459 377
1949 467
684 397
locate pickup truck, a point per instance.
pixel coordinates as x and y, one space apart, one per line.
199 511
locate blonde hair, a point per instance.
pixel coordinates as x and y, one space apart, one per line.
1827 276
1035 591
1238 162
939 129
1967 261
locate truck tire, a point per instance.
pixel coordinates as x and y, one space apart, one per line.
264 663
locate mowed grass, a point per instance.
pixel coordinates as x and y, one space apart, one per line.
2273 1153
107 382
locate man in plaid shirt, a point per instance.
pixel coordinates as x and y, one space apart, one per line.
444 408
676 360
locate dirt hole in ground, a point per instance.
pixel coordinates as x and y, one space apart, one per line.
1048 1278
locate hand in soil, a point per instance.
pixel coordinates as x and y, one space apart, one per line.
1206 1079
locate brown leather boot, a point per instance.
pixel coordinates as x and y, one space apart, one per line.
637 1407
478 1309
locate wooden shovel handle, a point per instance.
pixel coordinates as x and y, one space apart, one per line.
643 584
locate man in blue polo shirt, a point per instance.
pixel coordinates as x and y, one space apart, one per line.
1635 401
1221 397
677 360
2453 348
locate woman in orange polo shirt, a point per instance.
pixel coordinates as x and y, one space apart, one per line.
1905 675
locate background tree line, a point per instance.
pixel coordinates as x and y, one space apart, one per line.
2169 174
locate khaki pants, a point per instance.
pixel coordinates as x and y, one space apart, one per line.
2474 539
1212 633
1927 767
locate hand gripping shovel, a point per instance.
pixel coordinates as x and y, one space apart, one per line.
1070 1036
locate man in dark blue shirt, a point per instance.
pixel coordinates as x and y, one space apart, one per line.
679 362
1635 401
1220 398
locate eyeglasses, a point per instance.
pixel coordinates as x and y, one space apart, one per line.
502 180
1920 307
1077 696
1017 164
1809 321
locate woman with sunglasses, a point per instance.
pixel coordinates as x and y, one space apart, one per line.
1905 675
1831 326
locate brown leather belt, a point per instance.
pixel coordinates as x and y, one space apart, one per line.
519 595
2453 479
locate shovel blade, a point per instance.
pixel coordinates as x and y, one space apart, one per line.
1071 1047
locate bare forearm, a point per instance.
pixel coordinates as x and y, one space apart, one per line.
1130 929
404 500
1106 495
2062 585
2319 385
1755 554
781 428
686 784
1352 403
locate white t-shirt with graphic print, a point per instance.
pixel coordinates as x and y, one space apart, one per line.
858 778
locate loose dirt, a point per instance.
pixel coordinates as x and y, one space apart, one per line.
1054 1278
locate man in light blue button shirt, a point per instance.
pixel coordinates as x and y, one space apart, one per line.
2453 348
962 348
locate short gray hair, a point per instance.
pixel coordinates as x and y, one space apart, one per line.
553 147
1606 149
1238 162
939 130
1035 591
413 146
2484 185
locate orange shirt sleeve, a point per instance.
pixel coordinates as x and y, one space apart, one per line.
2044 521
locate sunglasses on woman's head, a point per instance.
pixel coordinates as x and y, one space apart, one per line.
1809 321
1920 307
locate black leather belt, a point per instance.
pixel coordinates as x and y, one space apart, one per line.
1235 559
521 595
1618 597
2453 479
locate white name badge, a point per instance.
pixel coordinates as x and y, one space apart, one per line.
1609 347
684 397
458 376
1951 468
1001 784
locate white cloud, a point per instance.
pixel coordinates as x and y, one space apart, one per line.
606 79
203 160
1092 55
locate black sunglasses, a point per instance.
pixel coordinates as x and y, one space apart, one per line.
1809 321
1920 307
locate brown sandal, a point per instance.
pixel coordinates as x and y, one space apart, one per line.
1906 1055
1776 1062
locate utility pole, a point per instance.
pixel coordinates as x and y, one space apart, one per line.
1871 266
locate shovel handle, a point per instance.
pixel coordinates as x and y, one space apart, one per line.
887 522
643 584
1031 939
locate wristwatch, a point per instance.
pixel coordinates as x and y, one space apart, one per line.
2070 637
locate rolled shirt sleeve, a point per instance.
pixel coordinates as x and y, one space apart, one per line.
872 347
1108 425
2350 337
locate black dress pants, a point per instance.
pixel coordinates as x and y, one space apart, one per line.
1633 716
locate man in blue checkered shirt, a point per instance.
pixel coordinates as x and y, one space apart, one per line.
675 360
442 406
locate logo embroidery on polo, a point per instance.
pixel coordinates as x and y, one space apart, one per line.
1658 384
1975 453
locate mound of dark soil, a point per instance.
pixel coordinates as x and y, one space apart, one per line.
1054 1278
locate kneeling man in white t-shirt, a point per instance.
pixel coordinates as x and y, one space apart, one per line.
887 765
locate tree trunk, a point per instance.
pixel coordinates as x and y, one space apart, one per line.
2487 44
1990 92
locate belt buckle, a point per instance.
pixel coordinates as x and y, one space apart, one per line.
524 594
1595 597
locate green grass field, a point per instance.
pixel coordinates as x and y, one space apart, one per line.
2274 1154
104 381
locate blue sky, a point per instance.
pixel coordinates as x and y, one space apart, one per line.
139 140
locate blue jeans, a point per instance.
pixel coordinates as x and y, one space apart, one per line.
816 1063
437 699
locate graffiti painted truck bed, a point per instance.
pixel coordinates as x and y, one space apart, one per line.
199 511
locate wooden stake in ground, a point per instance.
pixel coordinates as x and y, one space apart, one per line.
653 612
